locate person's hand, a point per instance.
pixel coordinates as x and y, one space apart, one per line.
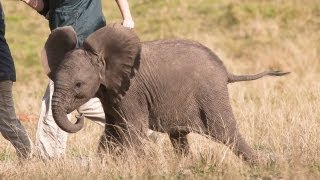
128 23
26 1
35 4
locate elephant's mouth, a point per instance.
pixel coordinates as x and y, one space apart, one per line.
75 103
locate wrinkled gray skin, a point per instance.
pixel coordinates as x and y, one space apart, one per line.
170 86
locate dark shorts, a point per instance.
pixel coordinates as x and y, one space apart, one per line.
7 69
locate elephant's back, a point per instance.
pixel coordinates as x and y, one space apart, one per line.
181 49
179 57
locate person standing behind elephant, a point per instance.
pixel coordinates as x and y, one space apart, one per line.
85 16
10 126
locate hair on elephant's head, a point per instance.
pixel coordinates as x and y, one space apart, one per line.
109 57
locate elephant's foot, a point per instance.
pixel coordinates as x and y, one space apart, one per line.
180 142
118 143
113 140
252 157
110 146
240 147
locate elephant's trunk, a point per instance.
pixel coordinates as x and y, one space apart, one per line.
60 116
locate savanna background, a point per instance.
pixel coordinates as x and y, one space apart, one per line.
278 115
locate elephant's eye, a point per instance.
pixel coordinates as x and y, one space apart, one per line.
78 84
78 90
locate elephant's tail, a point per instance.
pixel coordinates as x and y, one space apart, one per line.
235 78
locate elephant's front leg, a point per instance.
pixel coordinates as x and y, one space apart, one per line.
119 135
112 139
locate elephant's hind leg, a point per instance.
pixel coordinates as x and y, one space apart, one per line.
221 125
179 142
231 137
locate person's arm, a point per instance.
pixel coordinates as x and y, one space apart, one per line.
41 6
126 14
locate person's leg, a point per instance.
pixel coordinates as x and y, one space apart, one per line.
51 141
10 126
93 110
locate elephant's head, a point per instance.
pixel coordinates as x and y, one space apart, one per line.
109 57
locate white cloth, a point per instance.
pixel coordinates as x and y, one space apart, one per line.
51 141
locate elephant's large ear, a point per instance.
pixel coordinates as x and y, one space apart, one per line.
60 41
118 49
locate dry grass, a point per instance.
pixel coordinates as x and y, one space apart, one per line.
278 115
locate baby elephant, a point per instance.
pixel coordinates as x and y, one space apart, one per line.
170 86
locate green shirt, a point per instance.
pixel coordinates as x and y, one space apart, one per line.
85 16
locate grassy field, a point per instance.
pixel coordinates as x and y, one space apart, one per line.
278 115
